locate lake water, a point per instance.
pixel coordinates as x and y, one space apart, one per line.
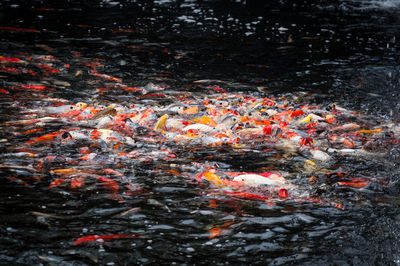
310 53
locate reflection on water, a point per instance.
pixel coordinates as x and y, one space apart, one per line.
365 5
143 194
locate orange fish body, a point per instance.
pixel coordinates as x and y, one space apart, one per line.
109 184
100 239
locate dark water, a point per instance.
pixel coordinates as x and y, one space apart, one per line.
342 51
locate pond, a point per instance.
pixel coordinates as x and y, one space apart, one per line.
199 132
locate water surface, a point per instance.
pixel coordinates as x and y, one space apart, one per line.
343 52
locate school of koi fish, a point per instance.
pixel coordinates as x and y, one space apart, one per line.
174 123
199 132
121 127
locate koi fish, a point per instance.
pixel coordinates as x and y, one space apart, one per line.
152 87
68 171
153 95
246 179
49 69
18 29
319 201
18 180
354 184
125 31
220 229
108 77
11 70
261 179
57 182
10 59
246 195
47 137
209 81
108 111
128 89
32 87
370 131
109 184
311 118
70 114
320 155
199 127
212 178
113 172
205 121
99 239
60 109
160 125
346 127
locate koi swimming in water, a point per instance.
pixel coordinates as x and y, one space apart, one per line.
227 120
209 138
100 239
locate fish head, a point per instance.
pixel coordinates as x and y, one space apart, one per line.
81 105
230 120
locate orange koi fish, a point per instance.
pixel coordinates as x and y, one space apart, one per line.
10 59
149 95
204 120
57 182
273 130
354 184
32 87
47 137
113 172
264 122
246 195
144 115
100 239
32 131
131 89
330 119
217 89
44 9
70 114
77 182
337 173
71 171
111 78
283 193
341 140
346 127
212 178
18 29
64 171
49 69
370 131
319 201
220 229
18 180
11 70
306 142
109 184
296 113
